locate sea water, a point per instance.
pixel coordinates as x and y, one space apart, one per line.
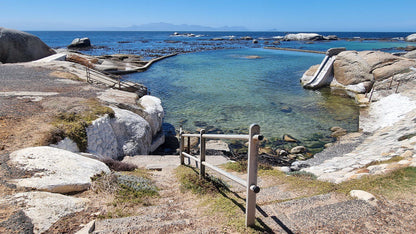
227 89
231 89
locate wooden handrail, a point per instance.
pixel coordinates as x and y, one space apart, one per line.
253 139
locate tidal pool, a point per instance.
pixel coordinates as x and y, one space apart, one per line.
228 90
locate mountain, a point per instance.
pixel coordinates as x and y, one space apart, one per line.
173 27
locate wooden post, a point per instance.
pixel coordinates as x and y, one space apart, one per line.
202 154
181 148
252 188
188 150
397 88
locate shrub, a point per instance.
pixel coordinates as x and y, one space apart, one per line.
118 166
191 181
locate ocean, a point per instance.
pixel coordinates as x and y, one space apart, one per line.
224 84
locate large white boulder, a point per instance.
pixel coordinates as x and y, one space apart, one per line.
133 133
411 38
126 134
44 208
153 112
17 46
303 37
55 170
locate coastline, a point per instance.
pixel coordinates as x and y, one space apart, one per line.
387 132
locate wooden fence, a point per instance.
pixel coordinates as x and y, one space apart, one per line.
253 139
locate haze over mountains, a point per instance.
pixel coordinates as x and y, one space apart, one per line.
174 27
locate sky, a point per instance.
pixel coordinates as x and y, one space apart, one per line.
257 15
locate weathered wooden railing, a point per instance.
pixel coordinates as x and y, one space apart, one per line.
253 139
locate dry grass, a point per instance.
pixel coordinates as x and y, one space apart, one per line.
65 75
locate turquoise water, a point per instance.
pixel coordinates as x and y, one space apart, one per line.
229 91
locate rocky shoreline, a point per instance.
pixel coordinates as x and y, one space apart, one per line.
132 125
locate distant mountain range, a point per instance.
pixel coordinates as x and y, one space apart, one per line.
173 27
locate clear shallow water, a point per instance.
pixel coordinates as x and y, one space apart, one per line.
229 91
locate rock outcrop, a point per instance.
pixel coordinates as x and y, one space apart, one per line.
126 134
367 67
17 46
80 43
303 37
358 71
44 209
55 170
153 112
411 38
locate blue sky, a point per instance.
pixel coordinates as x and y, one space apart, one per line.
281 15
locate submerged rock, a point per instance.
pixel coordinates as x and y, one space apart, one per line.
289 138
17 46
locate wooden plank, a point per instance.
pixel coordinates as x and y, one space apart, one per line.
190 156
224 173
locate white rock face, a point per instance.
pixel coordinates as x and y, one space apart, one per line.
387 112
56 170
153 112
126 134
44 209
133 133
411 37
67 144
102 140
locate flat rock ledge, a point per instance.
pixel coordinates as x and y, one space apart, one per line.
55 170
389 128
44 208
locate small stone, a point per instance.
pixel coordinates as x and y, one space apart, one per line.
289 138
339 132
327 145
298 149
266 150
286 109
362 170
363 195
335 128
284 169
407 154
154 167
282 152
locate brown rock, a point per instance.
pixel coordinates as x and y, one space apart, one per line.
338 133
397 67
350 68
289 138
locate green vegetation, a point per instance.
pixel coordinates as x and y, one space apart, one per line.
221 202
190 181
229 207
135 190
73 124
127 190
401 181
391 160
241 166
